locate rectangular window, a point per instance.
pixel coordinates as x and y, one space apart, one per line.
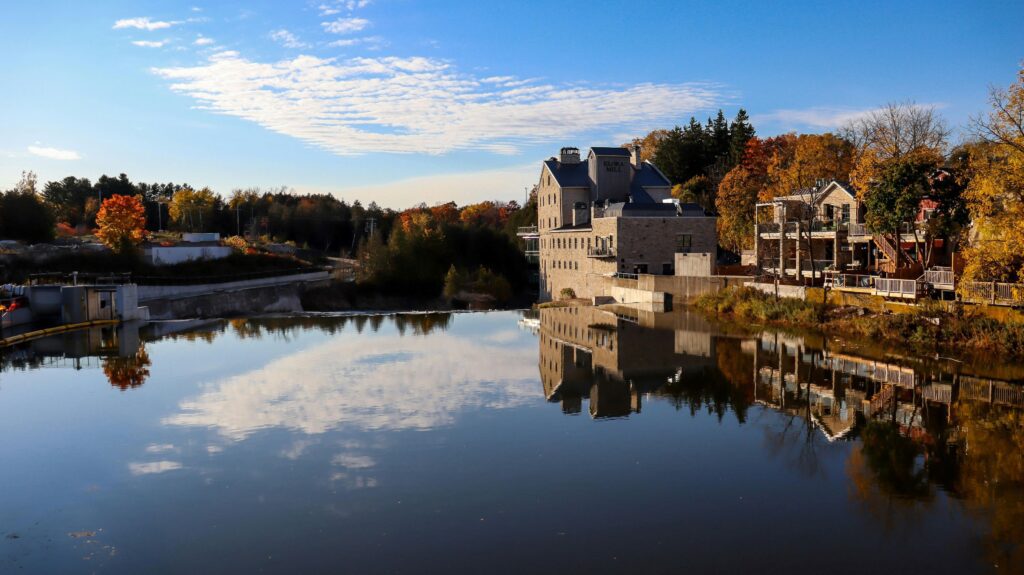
640 269
684 242
667 269
846 212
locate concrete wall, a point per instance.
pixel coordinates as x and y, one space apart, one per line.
266 299
161 256
684 289
148 293
783 290
695 264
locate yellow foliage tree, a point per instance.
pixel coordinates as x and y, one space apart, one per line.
121 222
995 195
808 158
192 209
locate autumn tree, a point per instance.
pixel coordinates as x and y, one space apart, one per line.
995 195
738 195
807 158
696 190
121 222
893 133
193 210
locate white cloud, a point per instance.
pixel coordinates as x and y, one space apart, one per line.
418 104
370 42
353 461
54 153
150 43
346 25
287 39
203 41
143 24
344 383
152 467
326 10
159 447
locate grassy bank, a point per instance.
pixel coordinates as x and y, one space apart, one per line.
926 328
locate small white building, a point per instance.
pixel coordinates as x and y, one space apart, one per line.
194 246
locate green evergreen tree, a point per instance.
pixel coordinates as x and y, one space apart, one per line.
740 132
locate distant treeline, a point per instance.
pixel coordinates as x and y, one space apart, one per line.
410 250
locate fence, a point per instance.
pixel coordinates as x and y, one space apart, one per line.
993 293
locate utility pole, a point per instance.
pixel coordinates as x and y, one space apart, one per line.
371 225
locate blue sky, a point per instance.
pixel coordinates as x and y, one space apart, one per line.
399 101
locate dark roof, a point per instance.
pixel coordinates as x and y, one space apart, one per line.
626 209
569 175
649 177
610 151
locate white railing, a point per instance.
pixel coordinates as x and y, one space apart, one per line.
526 230
937 276
895 287
993 292
601 252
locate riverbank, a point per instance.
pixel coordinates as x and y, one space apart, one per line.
958 329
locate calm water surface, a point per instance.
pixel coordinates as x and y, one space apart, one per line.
576 440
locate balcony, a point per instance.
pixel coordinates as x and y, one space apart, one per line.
525 231
601 252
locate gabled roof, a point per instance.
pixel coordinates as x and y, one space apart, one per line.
813 195
569 175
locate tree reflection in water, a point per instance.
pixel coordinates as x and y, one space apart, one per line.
917 426
127 372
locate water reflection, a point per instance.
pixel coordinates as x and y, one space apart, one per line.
380 381
918 424
300 443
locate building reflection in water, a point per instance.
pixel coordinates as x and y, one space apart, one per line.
917 424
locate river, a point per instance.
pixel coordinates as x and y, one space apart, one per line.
566 440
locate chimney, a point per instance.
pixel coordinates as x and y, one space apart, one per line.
569 155
580 213
635 154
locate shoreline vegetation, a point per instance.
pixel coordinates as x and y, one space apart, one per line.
929 328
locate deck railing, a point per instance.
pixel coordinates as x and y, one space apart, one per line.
601 252
526 230
860 281
896 287
938 276
995 293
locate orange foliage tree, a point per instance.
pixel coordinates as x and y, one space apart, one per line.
122 222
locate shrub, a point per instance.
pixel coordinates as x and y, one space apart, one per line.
568 293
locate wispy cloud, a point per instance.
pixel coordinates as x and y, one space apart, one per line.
152 467
335 6
143 23
417 104
150 43
287 39
54 153
369 42
203 41
346 25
